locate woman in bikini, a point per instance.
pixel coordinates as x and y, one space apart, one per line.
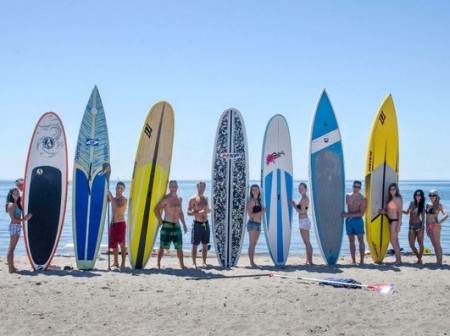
304 221
416 211
255 212
394 211
434 224
14 209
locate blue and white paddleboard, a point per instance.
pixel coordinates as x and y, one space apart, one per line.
276 188
90 185
327 178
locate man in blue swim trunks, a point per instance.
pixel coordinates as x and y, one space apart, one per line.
354 224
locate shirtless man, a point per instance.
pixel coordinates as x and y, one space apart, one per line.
118 224
199 208
171 230
354 224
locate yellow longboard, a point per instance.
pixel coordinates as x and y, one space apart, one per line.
149 181
381 170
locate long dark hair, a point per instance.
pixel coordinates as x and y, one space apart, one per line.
421 205
259 193
10 199
397 192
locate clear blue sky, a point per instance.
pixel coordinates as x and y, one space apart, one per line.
261 57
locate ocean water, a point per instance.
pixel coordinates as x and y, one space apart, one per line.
188 188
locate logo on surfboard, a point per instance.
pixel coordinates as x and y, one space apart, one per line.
230 156
272 158
92 142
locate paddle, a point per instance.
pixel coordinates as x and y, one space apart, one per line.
107 173
381 287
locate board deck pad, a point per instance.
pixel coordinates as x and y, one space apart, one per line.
277 188
327 180
229 187
90 185
45 190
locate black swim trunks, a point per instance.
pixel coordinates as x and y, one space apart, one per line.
200 233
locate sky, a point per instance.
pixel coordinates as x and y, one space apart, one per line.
259 56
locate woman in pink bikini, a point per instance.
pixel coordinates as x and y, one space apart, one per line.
394 211
434 224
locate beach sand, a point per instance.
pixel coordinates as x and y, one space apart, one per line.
216 301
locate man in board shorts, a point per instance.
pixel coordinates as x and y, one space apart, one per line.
118 224
199 208
171 230
354 224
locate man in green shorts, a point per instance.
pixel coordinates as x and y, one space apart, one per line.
171 230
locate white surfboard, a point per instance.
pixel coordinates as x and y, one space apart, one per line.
276 188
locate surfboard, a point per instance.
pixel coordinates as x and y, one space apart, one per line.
229 187
149 181
327 178
89 183
381 170
45 190
277 187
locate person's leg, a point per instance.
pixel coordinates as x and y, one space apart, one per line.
351 241
362 248
421 246
394 242
253 239
308 246
204 253
412 242
123 252
10 256
180 257
160 255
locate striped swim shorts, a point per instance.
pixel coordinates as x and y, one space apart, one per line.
15 229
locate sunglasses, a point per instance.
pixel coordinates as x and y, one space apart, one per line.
418 195
432 195
357 186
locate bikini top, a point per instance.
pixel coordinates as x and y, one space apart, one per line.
413 208
430 210
17 213
257 208
299 207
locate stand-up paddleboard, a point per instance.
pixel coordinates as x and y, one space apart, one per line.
276 188
149 181
381 170
229 187
89 185
327 178
45 191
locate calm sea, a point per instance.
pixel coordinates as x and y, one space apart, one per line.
188 188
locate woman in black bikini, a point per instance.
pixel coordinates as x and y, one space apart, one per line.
394 211
434 224
255 212
416 211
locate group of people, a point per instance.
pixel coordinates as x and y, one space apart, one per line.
422 217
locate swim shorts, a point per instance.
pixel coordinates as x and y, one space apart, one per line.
253 226
415 227
200 233
354 226
171 232
117 234
304 224
15 229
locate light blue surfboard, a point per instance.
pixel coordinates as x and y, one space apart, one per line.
89 194
276 188
327 178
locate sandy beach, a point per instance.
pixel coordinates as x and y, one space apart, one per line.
216 301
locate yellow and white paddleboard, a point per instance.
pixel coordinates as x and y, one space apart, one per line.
381 170
149 182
